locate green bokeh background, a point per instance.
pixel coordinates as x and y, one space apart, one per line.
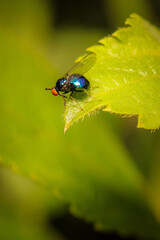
46 174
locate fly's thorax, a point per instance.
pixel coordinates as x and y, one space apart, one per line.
60 83
63 85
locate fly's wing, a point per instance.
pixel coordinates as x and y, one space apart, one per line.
83 64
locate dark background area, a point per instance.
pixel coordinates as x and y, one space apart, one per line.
93 14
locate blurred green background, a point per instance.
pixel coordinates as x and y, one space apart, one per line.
103 171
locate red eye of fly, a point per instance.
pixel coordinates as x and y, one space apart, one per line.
54 92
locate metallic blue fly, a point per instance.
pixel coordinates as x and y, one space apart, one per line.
74 81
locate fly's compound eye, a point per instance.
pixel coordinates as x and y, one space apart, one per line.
54 92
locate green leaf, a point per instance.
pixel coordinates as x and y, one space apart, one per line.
28 18
24 207
125 78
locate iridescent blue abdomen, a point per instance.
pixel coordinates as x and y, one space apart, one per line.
78 82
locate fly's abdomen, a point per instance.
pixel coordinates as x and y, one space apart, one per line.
79 82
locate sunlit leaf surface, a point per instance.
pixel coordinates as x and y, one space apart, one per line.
126 76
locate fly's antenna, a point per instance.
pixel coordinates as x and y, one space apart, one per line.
48 88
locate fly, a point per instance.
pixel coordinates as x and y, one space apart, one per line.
74 81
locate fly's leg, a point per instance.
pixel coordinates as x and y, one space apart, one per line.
64 101
75 101
64 98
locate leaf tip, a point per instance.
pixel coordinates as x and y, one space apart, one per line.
65 129
133 17
67 126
